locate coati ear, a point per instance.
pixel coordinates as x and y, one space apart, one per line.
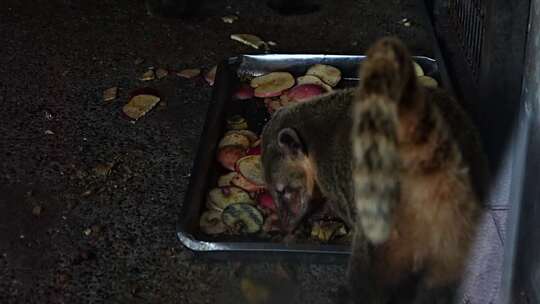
289 142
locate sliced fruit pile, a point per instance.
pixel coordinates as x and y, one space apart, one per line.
279 89
240 204
423 79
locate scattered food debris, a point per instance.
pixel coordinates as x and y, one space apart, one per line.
148 75
210 77
139 60
48 115
407 24
110 94
86 193
189 73
229 19
87 231
161 73
139 105
49 132
271 43
36 210
249 39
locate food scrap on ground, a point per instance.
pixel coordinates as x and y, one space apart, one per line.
249 39
139 105
110 94
229 19
210 76
189 73
148 75
161 73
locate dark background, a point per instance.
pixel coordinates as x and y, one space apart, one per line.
110 237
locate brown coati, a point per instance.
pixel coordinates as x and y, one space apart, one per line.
400 163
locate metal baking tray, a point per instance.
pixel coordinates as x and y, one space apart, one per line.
206 169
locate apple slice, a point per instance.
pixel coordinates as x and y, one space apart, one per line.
251 168
327 73
235 139
271 85
310 79
247 133
304 92
226 180
241 182
229 155
220 198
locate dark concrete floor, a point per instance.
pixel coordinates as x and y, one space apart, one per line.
110 238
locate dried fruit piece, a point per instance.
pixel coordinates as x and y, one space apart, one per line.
148 75
241 182
226 180
248 39
272 84
271 223
310 79
428 81
110 94
236 122
243 218
327 73
229 155
229 19
244 92
161 73
304 92
251 168
235 139
418 69
211 223
139 105
247 133
220 198
210 77
189 73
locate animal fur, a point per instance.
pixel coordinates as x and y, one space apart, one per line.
400 163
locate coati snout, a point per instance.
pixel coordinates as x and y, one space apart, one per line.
290 174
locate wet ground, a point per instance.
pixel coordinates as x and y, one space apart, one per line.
88 200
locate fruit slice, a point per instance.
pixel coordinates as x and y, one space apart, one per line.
248 39
189 73
236 122
251 168
247 133
235 139
418 69
220 198
325 231
244 92
210 76
225 180
327 73
211 223
272 84
310 79
243 218
428 81
304 92
229 155
241 182
139 105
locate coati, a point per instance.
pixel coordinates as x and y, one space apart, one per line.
400 163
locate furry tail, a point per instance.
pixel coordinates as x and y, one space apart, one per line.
387 78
